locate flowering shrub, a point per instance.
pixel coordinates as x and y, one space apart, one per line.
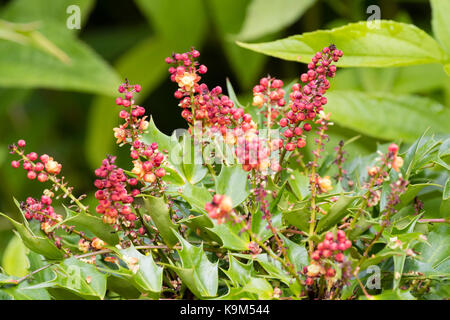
236 207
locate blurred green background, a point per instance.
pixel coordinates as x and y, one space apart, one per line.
57 85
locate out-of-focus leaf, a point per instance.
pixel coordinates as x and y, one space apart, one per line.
392 44
445 204
15 261
232 181
196 271
228 17
266 16
440 22
408 115
55 57
158 210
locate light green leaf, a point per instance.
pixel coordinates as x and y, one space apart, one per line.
297 253
299 184
392 44
238 272
196 271
148 276
54 57
409 115
80 278
158 210
23 291
15 261
336 213
391 295
266 17
231 236
196 196
232 181
440 22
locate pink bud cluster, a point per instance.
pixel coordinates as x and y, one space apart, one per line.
213 109
219 208
307 101
330 248
134 115
149 169
41 169
269 92
114 199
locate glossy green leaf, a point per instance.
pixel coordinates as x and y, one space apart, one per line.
86 221
298 217
145 273
409 115
336 213
196 271
231 235
196 196
266 16
391 295
297 253
34 242
392 44
23 291
238 272
299 184
232 181
192 158
80 278
158 210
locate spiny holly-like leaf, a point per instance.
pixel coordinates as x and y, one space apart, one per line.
34 242
145 274
80 278
299 184
336 213
23 291
390 44
297 253
231 235
232 181
196 271
158 210
238 272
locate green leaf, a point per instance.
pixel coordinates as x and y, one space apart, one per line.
36 243
259 286
434 255
86 221
336 213
192 165
447 69
231 235
266 16
81 69
409 115
440 22
297 253
391 44
299 184
238 272
445 204
23 291
391 295
196 271
232 181
298 217
196 196
15 261
80 278
148 276
228 17
158 210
